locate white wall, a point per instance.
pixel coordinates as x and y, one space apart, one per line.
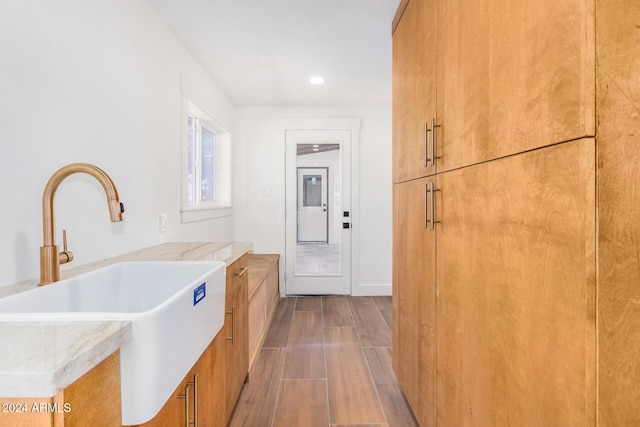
99 82
259 160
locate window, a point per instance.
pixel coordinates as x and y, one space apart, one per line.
201 162
205 166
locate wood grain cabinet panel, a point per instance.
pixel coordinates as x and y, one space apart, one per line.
236 326
414 89
264 293
618 38
91 400
414 297
527 332
205 387
513 76
211 369
516 290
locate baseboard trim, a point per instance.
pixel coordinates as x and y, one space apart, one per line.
378 289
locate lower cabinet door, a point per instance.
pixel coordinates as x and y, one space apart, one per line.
201 395
237 330
414 295
212 400
174 412
516 290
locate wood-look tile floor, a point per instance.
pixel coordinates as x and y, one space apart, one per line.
326 362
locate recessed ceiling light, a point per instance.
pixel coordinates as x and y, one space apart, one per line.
316 80
316 146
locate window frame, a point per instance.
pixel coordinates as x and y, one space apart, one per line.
221 206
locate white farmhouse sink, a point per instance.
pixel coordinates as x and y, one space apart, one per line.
176 309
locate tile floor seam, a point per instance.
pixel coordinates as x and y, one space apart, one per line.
366 360
324 355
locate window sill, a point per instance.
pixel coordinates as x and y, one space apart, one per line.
203 214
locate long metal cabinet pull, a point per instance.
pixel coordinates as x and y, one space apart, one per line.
187 419
232 338
195 401
241 272
426 144
434 139
426 217
430 188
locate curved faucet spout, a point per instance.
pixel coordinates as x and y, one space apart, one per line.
49 257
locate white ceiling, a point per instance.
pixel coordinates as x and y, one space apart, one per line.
265 51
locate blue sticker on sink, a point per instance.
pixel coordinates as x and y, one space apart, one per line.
199 293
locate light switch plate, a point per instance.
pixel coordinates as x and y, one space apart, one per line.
162 223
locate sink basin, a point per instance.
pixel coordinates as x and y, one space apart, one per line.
176 309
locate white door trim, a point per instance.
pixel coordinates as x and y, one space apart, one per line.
336 123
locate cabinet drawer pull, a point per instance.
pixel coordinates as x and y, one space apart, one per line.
232 338
241 272
430 221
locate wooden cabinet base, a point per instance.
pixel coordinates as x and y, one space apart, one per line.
93 400
264 293
204 386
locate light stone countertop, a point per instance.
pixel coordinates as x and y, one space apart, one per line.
39 359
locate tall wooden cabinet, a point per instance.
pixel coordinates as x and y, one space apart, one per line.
516 278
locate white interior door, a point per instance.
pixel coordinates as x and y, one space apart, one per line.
313 208
318 229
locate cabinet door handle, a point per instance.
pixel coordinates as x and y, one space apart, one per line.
426 206
430 188
232 338
187 419
426 144
434 139
241 272
185 396
195 400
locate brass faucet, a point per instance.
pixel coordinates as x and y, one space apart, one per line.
50 258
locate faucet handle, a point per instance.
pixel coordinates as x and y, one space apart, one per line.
66 255
64 240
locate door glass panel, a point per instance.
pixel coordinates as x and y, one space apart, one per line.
319 212
312 192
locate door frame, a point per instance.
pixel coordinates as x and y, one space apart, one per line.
351 124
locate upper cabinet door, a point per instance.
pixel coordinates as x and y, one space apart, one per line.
414 90
516 75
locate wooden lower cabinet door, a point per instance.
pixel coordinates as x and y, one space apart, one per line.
237 326
91 400
174 412
201 393
212 401
414 297
516 290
